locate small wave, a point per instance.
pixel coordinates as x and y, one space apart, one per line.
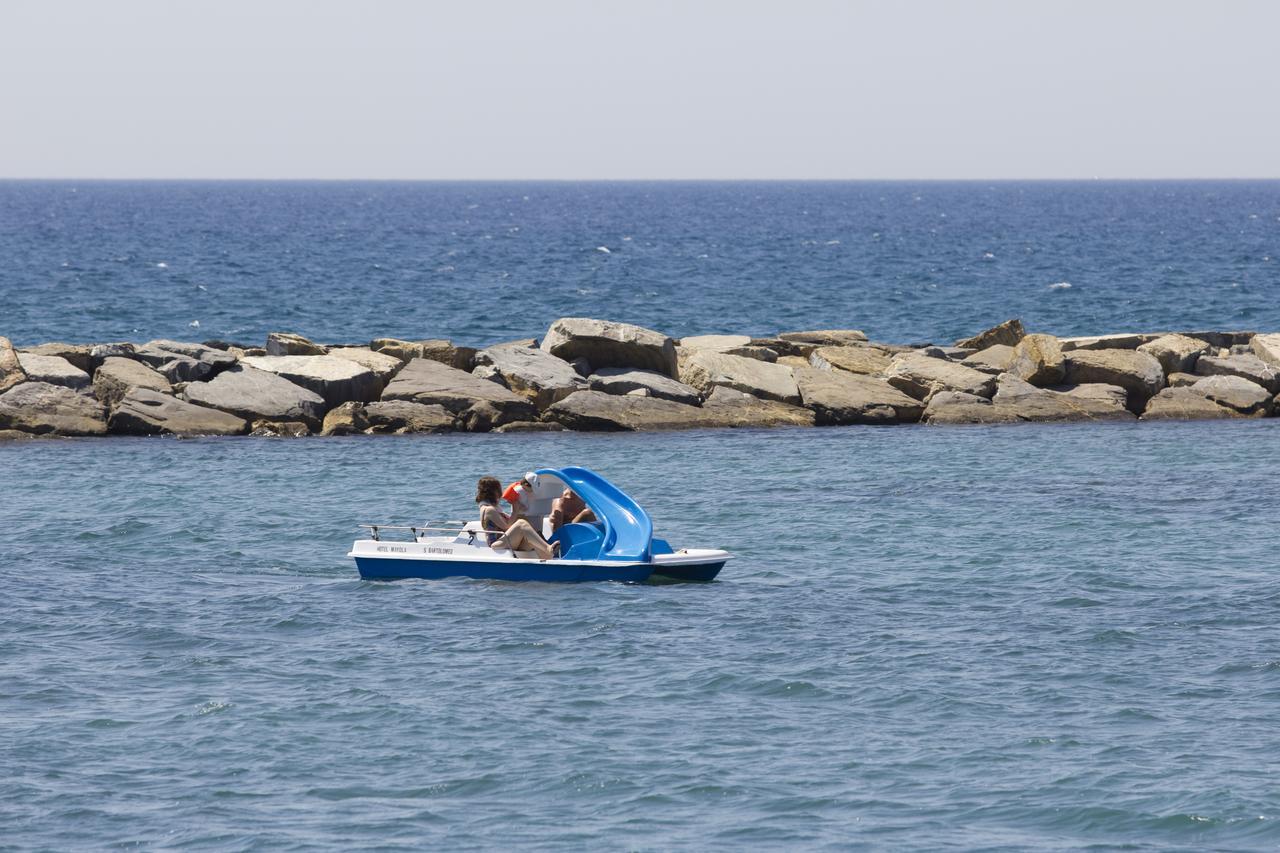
195 324
988 255
604 249
162 266
1060 285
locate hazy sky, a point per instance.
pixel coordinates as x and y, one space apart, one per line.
647 89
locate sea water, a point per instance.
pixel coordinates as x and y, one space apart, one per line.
1029 637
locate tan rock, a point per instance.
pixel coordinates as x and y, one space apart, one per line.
995 359
958 407
117 376
80 355
384 367
1184 404
839 397
337 380
531 426
920 375
592 410
1182 380
704 370
1267 348
537 375
626 380
604 343
726 407
346 419
11 373
793 361
143 411
445 352
1124 340
1235 392
1092 402
431 382
42 408
716 343
826 337
288 343
1008 333
1176 353
53 369
1136 372
258 395
1038 359
854 359
1245 365
402 416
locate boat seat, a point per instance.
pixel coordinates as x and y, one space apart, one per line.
579 540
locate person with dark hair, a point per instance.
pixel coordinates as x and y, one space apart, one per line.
505 532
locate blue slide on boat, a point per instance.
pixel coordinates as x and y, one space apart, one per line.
628 531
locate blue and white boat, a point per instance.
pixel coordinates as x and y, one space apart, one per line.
618 546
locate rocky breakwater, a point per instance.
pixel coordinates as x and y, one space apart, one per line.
588 374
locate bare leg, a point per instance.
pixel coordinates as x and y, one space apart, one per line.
585 515
521 536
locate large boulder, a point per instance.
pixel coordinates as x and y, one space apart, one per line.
11 372
704 370
1176 353
347 419
1091 402
625 380
1123 340
53 369
288 343
46 409
337 380
401 416
540 377
1136 372
606 344
593 410
78 354
99 353
854 359
920 375
1267 348
1235 392
1245 365
445 352
1037 359
117 376
1008 333
958 407
258 395
1184 404
826 337
430 382
995 359
143 411
716 343
184 362
383 366
839 397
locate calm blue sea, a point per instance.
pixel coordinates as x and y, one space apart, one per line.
479 263
1000 638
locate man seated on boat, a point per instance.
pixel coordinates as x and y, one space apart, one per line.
568 509
520 495
506 531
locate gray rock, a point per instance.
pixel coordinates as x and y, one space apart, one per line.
854 359
958 407
77 354
919 375
1267 348
117 376
995 359
52 369
383 366
593 410
183 362
1182 380
42 408
1235 392
715 343
540 377
1246 366
11 373
1008 333
431 382
607 344
1037 359
704 370
337 380
839 397
445 352
825 337
531 426
347 419
1176 353
401 416
1136 372
1090 402
99 353
1184 404
583 367
258 395
1124 340
288 343
624 380
143 411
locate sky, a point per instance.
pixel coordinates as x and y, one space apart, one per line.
658 89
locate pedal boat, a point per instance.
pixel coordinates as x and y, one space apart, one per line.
619 546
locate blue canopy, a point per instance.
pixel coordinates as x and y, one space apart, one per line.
628 532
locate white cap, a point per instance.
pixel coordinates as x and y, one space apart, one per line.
532 478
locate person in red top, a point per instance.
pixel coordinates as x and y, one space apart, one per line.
520 495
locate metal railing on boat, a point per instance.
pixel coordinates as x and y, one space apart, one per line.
429 527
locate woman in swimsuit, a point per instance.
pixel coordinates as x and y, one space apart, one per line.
504 532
